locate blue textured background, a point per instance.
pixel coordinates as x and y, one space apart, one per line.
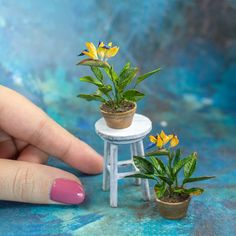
195 44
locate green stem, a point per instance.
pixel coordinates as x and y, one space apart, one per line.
109 97
176 182
169 163
114 91
170 191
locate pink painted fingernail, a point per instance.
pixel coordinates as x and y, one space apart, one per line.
67 191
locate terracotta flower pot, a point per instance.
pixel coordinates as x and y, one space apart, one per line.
171 210
119 120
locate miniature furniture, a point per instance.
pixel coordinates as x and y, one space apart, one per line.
132 135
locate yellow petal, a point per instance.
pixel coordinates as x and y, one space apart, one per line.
110 44
101 52
162 134
152 139
101 44
112 52
174 141
92 49
159 141
165 138
89 55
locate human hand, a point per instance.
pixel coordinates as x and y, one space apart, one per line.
27 137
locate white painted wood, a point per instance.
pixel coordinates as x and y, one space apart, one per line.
140 127
105 182
133 151
125 163
132 135
113 175
124 174
144 182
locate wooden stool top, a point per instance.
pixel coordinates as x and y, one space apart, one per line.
140 127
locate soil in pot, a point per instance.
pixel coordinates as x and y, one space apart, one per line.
121 117
175 198
124 106
173 207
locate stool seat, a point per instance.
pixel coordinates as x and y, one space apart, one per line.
132 135
139 128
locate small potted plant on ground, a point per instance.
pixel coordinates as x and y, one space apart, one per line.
118 95
172 196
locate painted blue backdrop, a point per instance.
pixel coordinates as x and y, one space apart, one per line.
194 96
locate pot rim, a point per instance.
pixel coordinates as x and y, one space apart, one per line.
173 203
119 113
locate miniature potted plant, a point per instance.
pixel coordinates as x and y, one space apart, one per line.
118 95
171 194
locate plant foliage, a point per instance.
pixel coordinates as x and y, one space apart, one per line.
167 172
114 88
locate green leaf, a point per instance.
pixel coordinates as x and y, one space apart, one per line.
180 164
195 191
158 164
141 176
191 191
92 97
180 190
165 179
93 62
124 69
160 190
143 77
170 173
105 89
97 72
196 179
177 156
91 80
133 95
161 152
112 74
126 78
190 166
143 165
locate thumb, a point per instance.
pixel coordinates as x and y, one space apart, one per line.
35 183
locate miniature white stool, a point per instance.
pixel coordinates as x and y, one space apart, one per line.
132 135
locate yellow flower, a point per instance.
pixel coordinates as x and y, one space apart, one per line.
157 140
111 52
160 142
174 141
152 139
91 51
165 138
107 51
103 52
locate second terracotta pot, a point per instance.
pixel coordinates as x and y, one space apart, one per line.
171 210
119 120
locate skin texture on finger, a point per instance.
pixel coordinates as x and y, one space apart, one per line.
8 149
33 154
25 121
34 183
20 145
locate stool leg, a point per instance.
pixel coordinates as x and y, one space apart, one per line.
113 175
145 184
105 182
133 151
